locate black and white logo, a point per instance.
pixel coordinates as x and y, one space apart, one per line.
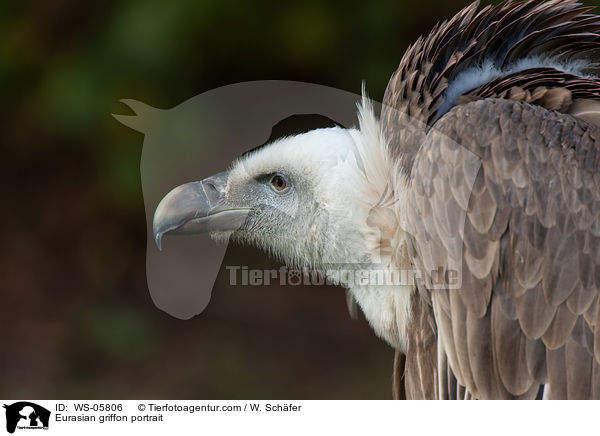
26 415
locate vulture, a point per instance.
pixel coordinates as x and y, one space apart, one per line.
479 182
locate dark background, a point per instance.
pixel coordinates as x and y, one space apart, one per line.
76 319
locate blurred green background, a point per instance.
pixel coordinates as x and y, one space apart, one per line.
76 319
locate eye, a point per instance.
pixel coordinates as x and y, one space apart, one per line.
279 183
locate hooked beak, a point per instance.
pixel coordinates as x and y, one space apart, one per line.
197 207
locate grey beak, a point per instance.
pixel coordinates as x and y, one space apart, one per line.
197 207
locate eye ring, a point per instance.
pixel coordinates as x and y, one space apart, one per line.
279 183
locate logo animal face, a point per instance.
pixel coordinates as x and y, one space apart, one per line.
27 415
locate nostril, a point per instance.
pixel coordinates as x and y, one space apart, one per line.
212 192
214 188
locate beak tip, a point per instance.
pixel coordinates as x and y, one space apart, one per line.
158 240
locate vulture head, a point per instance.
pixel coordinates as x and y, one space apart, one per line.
321 200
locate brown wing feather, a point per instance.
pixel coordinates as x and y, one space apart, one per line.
421 353
527 310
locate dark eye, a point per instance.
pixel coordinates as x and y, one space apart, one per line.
279 183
